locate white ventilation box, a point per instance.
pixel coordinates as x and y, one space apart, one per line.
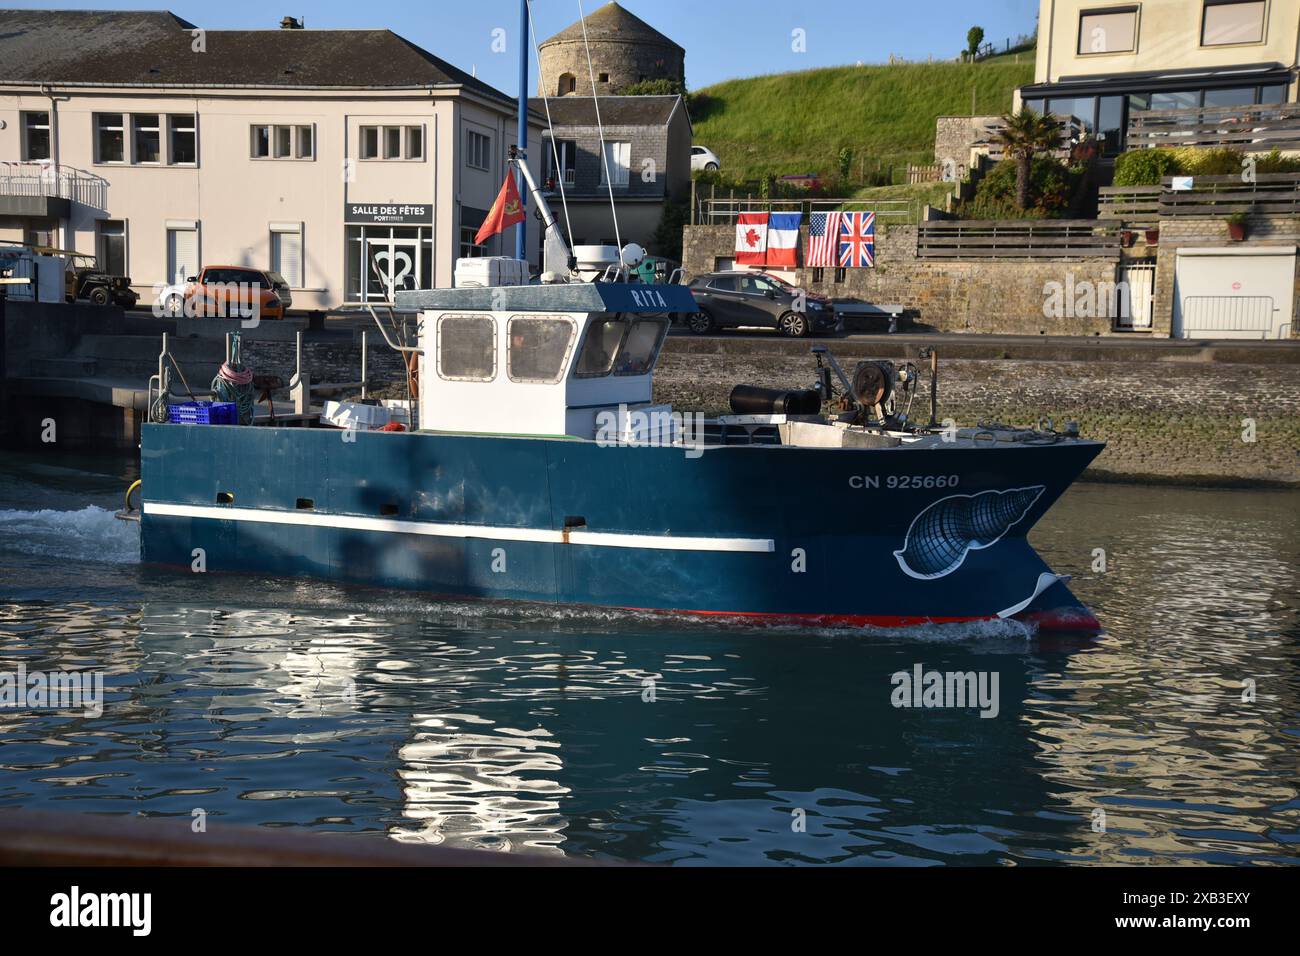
484 272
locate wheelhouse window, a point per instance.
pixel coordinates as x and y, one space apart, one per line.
110 138
539 348
36 135
641 347
1228 22
183 143
599 348
467 348
1110 30
147 137
620 347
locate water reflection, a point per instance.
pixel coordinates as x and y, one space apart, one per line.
297 704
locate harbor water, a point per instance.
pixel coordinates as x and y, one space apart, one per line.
1173 737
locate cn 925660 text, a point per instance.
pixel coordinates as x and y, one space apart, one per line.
902 482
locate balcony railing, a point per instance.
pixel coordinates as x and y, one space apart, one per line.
54 182
1251 128
1264 194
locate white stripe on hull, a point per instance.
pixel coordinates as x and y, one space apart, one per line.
599 539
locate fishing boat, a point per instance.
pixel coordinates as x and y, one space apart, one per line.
537 468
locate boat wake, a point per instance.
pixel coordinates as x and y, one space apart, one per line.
91 534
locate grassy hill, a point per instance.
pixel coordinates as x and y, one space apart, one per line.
798 122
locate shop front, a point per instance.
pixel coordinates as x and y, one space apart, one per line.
389 246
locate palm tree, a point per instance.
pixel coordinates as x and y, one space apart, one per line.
1024 135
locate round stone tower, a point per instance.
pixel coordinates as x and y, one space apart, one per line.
624 50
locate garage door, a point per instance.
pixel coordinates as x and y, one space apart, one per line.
1227 294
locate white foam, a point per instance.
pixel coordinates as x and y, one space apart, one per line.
91 534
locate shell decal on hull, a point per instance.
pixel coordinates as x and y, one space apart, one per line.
941 536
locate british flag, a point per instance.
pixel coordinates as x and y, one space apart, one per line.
857 240
823 240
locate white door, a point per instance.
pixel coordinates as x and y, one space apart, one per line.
1134 303
182 254
1225 294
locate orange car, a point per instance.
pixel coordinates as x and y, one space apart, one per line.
237 292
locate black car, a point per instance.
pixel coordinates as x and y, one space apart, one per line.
732 299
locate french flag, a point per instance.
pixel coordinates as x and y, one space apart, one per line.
783 238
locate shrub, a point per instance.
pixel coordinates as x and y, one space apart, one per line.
660 87
1050 186
1146 167
1275 162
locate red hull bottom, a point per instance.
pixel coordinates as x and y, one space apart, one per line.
1059 619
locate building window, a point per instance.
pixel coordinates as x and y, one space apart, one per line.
260 139
617 164
282 142
182 252
467 248
467 348
383 259
839 275
604 77
182 140
1112 30
369 142
392 142
36 136
286 252
110 138
568 84
819 274
1226 22
415 142
146 136
478 149
110 246
565 152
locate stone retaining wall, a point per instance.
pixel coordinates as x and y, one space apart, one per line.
1176 422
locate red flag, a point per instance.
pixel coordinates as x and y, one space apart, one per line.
505 212
751 238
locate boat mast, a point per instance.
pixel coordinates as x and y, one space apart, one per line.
521 230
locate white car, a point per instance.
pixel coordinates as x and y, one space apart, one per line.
704 158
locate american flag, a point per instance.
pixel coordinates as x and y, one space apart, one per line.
857 240
823 240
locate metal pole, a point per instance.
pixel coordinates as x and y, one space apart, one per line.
521 231
364 376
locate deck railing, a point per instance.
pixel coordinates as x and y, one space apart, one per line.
1017 239
1252 128
55 182
1266 194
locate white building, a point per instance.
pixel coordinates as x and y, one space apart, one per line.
324 155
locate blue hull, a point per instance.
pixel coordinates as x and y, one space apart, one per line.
855 536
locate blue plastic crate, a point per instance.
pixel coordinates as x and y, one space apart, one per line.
203 413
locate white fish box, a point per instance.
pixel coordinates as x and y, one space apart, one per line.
651 425
354 415
485 272
399 410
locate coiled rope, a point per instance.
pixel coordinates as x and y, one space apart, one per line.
234 383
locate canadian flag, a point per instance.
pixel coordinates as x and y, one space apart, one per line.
751 239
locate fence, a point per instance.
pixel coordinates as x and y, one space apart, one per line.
1016 239
724 212
1269 194
930 173
1253 128
1138 205
55 182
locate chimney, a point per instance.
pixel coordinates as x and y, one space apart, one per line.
289 23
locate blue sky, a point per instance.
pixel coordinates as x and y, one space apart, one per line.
723 38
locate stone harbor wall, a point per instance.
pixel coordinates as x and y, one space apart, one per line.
991 295
1164 421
